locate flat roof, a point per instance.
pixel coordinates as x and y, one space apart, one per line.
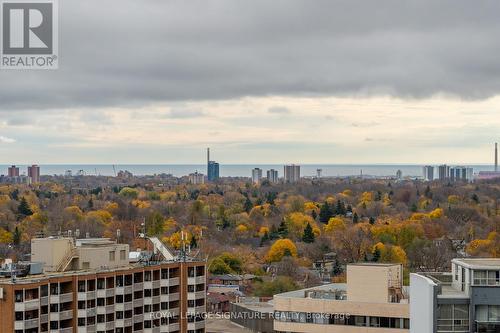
262 307
301 293
376 264
47 275
478 263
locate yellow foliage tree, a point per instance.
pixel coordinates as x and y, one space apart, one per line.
175 240
297 222
436 213
335 224
5 236
453 199
263 231
281 248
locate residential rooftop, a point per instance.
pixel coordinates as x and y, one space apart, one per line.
478 263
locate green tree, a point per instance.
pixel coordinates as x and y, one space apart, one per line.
248 205
155 224
16 237
24 208
283 229
325 213
355 218
376 255
372 220
308 236
280 285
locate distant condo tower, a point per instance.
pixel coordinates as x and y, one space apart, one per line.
13 171
34 173
256 175
212 168
428 173
272 176
291 173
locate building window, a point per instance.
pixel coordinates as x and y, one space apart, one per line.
453 318
111 255
85 265
123 255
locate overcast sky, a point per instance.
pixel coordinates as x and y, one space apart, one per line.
156 81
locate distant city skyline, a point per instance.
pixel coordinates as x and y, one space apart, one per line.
285 82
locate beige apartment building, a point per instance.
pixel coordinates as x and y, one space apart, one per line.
90 285
372 300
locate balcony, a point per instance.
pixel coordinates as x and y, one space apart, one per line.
138 318
27 305
26 324
110 309
174 281
196 326
196 280
128 306
174 297
65 315
173 327
196 295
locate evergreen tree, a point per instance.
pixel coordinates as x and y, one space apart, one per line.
376 255
414 208
355 218
378 196
90 204
283 229
340 209
325 213
194 242
428 193
372 220
349 208
274 233
16 237
24 208
337 268
314 214
475 198
308 236
248 205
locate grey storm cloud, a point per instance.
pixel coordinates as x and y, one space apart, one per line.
128 53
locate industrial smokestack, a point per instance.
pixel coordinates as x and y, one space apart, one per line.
496 157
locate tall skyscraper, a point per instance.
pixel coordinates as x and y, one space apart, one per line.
256 175
13 171
34 173
461 174
291 173
212 168
428 173
444 172
272 176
